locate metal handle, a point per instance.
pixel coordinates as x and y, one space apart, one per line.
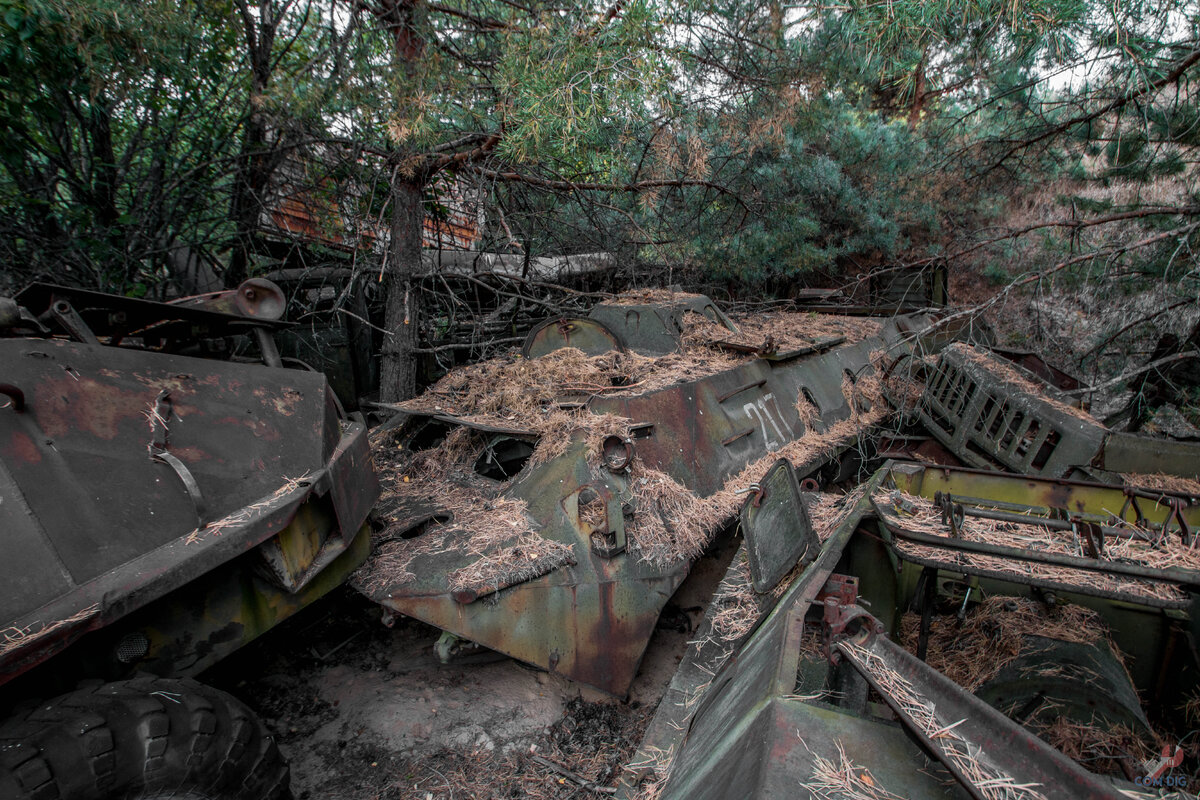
15 395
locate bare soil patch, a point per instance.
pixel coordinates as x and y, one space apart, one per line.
364 712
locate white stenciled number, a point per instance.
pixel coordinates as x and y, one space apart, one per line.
761 411
769 397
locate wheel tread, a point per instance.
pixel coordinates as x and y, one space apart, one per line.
145 737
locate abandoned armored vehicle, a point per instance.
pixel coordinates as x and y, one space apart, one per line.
158 510
548 505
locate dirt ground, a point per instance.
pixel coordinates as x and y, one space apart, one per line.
364 712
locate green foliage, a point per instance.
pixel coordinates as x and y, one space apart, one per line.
997 273
837 185
104 104
772 142
566 84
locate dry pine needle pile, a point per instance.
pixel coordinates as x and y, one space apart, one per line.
920 515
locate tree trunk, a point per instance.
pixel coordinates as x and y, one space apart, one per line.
398 370
919 93
256 162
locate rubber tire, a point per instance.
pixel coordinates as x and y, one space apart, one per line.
144 739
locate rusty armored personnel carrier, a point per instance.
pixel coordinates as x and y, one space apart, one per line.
548 505
158 510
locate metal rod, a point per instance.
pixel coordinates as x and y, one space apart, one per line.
266 343
1046 522
929 576
1182 577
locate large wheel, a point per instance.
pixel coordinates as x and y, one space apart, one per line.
145 739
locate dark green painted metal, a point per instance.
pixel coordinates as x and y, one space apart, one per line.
196 626
1084 683
1131 452
697 699
715 712
591 336
1141 629
591 619
986 420
753 736
96 528
1002 746
776 527
656 328
1088 500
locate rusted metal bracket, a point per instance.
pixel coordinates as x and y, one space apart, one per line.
69 318
744 387
840 613
16 396
1131 501
617 453
1175 506
608 539
838 619
953 514
189 483
159 432
1092 534
843 588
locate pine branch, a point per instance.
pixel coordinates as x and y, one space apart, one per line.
1003 294
1153 365
589 186
1119 102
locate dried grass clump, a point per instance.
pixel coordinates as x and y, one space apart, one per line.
988 780
1191 707
809 415
828 511
994 634
593 513
1006 372
1163 483
641 297
1101 749
904 390
530 393
13 638
671 523
521 392
488 528
734 608
844 781
925 517
777 331
529 557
